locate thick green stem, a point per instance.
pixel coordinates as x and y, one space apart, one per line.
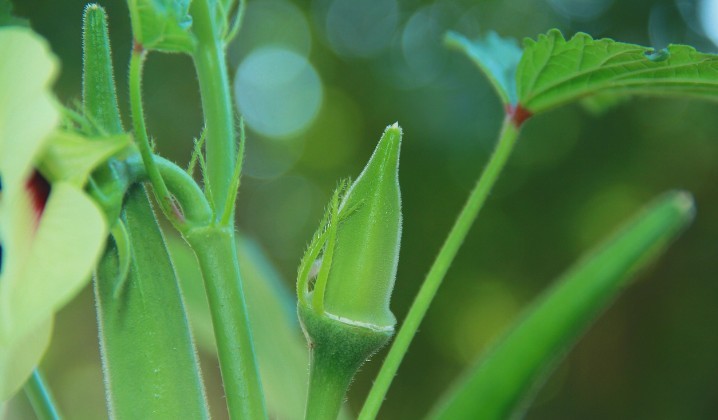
209 60
338 349
327 387
41 399
215 245
216 252
438 270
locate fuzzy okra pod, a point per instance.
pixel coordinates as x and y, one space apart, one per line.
345 310
148 356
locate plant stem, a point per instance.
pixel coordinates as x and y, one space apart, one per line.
195 208
164 198
216 252
42 401
327 387
209 60
454 240
215 245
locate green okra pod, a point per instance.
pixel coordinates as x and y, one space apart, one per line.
345 310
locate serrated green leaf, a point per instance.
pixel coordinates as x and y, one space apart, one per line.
555 71
162 25
506 376
71 157
149 360
497 57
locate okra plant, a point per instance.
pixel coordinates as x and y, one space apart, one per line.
83 196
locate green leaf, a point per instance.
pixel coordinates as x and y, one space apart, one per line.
497 57
554 71
71 157
149 360
162 25
497 387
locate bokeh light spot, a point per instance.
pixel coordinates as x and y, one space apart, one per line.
278 92
709 16
422 47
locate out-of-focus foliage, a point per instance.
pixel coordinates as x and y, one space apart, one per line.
572 178
51 233
503 382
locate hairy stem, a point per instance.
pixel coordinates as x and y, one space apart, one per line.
194 205
216 252
327 387
162 194
209 60
215 246
454 240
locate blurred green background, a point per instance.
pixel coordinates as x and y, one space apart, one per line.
317 82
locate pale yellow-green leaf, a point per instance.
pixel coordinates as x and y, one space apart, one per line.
64 250
27 111
47 254
71 157
18 358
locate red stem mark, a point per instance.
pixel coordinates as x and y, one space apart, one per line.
137 47
517 114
